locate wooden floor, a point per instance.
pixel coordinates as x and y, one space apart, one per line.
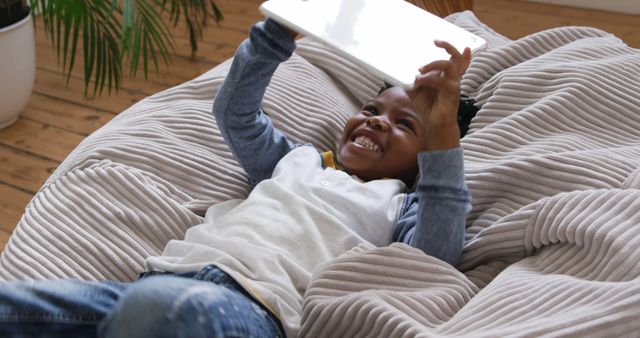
58 117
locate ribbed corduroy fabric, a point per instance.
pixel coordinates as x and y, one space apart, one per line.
552 160
553 243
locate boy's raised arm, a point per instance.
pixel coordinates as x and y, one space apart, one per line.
435 220
253 140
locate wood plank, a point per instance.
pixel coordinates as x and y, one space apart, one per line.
22 170
238 7
241 22
40 139
12 204
4 238
515 19
68 116
556 11
53 84
180 69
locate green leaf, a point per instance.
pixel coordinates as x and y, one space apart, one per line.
112 31
128 24
59 21
101 66
111 50
67 21
217 14
77 21
155 38
88 47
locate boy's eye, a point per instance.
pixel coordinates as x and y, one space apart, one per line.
370 110
406 124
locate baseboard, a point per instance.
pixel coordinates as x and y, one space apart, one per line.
621 6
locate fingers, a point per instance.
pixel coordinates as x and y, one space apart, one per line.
436 72
453 51
455 66
457 59
466 60
439 75
439 65
435 81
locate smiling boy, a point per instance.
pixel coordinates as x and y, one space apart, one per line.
244 271
383 139
309 206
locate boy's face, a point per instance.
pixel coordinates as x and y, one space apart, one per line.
383 139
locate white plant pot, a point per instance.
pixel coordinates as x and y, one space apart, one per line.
17 69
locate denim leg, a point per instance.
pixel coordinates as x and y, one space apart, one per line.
55 308
172 306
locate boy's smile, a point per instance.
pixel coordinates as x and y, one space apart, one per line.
367 140
383 139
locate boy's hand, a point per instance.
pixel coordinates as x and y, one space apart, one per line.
291 32
436 95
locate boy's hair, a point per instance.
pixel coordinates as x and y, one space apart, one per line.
466 110
384 87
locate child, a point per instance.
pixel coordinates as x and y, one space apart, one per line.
244 271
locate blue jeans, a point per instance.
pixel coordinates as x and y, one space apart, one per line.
208 303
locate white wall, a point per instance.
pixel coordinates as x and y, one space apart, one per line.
623 6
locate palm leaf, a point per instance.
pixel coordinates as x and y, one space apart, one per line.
196 14
152 37
114 31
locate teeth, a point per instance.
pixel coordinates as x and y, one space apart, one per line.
367 143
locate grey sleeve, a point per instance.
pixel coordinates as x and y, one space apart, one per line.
434 217
246 129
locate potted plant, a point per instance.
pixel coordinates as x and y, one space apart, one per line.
17 59
112 35
115 32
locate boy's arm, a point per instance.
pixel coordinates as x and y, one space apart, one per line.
434 220
253 140
436 217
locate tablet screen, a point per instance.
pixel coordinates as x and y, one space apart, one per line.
390 38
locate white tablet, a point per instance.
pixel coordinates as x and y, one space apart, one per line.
390 38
